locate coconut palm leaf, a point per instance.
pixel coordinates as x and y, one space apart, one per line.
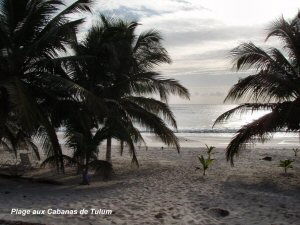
55 40
248 55
118 129
253 132
275 86
148 50
264 87
151 82
284 115
244 108
288 33
153 123
154 106
23 102
52 161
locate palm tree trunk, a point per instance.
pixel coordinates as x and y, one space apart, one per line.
55 145
85 175
58 151
108 150
121 147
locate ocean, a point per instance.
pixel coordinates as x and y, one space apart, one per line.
195 127
200 118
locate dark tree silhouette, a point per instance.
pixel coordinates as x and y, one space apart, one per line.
274 86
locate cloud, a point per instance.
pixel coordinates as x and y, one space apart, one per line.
129 13
165 6
199 35
213 94
213 34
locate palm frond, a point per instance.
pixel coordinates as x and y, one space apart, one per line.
289 34
258 130
51 160
154 106
151 82
248 55
148 50
119 130
153 123
23 102
244 108
264 86
284 115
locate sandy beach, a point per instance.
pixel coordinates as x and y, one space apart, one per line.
167 189
87 88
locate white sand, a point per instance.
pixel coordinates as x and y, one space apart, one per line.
166 189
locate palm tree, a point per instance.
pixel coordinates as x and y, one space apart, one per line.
33 34
14 138
274 86
84 134
122 73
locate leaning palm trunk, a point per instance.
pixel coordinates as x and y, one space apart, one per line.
108 150
58 153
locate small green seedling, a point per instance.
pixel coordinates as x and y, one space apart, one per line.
286 164
205 163
209 150
296 150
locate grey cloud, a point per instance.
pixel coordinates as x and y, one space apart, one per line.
130 13
186 5
181 1
210 78
136 13
212 34
212 94
220 54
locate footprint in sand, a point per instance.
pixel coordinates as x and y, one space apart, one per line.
217 212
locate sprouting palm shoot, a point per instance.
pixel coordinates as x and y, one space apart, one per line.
205 162
296 150
209 149
286 164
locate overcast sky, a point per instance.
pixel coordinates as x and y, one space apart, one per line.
199 34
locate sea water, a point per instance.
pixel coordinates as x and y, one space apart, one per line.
195 127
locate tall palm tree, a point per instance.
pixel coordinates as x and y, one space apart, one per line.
33 34
274 86
122 72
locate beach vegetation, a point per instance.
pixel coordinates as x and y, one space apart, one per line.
209 150
205 162
295 150
273 86
286 164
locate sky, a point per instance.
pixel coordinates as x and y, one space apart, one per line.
199 34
